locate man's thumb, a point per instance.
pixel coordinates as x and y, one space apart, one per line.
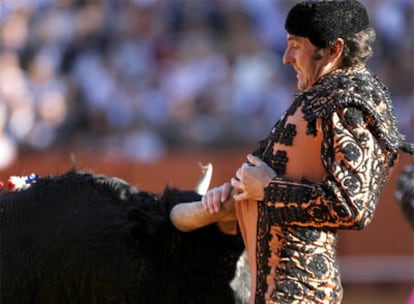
253 159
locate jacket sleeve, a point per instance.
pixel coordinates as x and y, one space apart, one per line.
357 169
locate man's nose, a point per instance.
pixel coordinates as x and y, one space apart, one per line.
287 57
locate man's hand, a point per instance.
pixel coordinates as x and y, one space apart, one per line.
252 178
218 198
217 206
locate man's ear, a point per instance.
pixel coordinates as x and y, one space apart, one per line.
337 49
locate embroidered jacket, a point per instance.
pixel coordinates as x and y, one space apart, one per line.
351 111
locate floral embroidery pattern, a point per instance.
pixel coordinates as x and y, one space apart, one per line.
282 133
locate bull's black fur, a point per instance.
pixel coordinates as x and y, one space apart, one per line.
82 238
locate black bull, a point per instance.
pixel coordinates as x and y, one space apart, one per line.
83 238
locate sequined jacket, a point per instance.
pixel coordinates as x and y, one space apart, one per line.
298 219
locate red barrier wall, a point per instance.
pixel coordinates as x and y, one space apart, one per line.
388 234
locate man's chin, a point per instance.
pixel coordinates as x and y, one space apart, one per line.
301 87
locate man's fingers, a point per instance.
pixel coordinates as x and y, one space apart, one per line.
213 199
237 184
206 201
216 202
225 194
239 196
253 159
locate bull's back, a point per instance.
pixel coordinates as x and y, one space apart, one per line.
80 238
65 241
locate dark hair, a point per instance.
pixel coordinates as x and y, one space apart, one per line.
358 47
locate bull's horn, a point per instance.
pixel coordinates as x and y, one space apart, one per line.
204 182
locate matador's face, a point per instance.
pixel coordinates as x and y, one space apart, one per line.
309 62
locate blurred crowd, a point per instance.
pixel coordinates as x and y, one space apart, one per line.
137 77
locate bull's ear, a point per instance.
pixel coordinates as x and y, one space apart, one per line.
204 182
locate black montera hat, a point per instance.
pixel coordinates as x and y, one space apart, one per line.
324 21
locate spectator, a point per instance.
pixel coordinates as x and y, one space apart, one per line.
177 68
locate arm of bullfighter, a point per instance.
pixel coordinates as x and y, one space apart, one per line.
216 207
